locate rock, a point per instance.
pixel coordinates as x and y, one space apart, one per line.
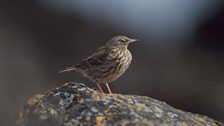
74 104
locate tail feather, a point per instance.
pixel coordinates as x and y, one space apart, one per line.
68 69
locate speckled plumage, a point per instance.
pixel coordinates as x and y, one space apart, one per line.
108 62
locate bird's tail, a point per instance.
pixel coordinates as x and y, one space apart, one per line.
68 69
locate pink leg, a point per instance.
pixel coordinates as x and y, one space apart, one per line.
108 88
99 87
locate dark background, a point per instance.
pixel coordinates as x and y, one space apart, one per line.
179 58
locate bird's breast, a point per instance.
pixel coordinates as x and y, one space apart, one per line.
119 64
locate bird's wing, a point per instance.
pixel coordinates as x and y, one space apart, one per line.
96 59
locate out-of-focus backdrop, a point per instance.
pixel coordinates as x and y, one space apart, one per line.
179 58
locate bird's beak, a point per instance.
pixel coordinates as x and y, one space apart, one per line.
133 40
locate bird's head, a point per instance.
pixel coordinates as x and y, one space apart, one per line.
120 42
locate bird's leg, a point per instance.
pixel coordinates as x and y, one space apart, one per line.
108 88
99 87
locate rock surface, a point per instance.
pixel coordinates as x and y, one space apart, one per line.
74 104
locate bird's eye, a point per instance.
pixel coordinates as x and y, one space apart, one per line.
122 40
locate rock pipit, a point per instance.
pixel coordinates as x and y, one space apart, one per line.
108 63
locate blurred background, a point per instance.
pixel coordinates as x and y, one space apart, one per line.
179 58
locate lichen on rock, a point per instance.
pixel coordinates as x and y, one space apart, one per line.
75 104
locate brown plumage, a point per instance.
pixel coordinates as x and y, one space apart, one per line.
108 62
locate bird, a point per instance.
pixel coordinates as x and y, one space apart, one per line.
107 63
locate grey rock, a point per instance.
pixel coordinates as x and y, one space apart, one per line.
74 104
